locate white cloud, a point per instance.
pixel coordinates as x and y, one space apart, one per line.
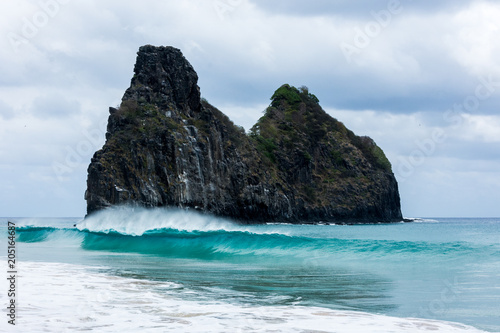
54 105
474 43
480 128
427 59
452 187
6 111
243 115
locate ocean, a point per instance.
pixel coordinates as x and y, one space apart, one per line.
159 270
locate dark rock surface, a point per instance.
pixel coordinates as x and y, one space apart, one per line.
167 147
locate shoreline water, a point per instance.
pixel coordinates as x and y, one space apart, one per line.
65 297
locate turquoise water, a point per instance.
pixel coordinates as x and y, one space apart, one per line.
446 269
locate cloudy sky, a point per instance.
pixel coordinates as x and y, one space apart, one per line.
422 79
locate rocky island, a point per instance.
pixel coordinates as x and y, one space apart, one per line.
168 147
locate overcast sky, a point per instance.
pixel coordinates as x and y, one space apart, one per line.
422 79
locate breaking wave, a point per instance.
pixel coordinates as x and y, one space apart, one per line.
187 234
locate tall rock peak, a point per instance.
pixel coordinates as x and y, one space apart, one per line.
164 77
165 147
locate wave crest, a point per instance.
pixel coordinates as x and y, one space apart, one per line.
136 221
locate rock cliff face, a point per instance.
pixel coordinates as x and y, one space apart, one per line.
165 146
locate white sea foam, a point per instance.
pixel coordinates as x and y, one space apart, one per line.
42 222
420 220
429 220
137 221
56 297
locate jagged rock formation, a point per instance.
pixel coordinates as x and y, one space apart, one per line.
165 146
